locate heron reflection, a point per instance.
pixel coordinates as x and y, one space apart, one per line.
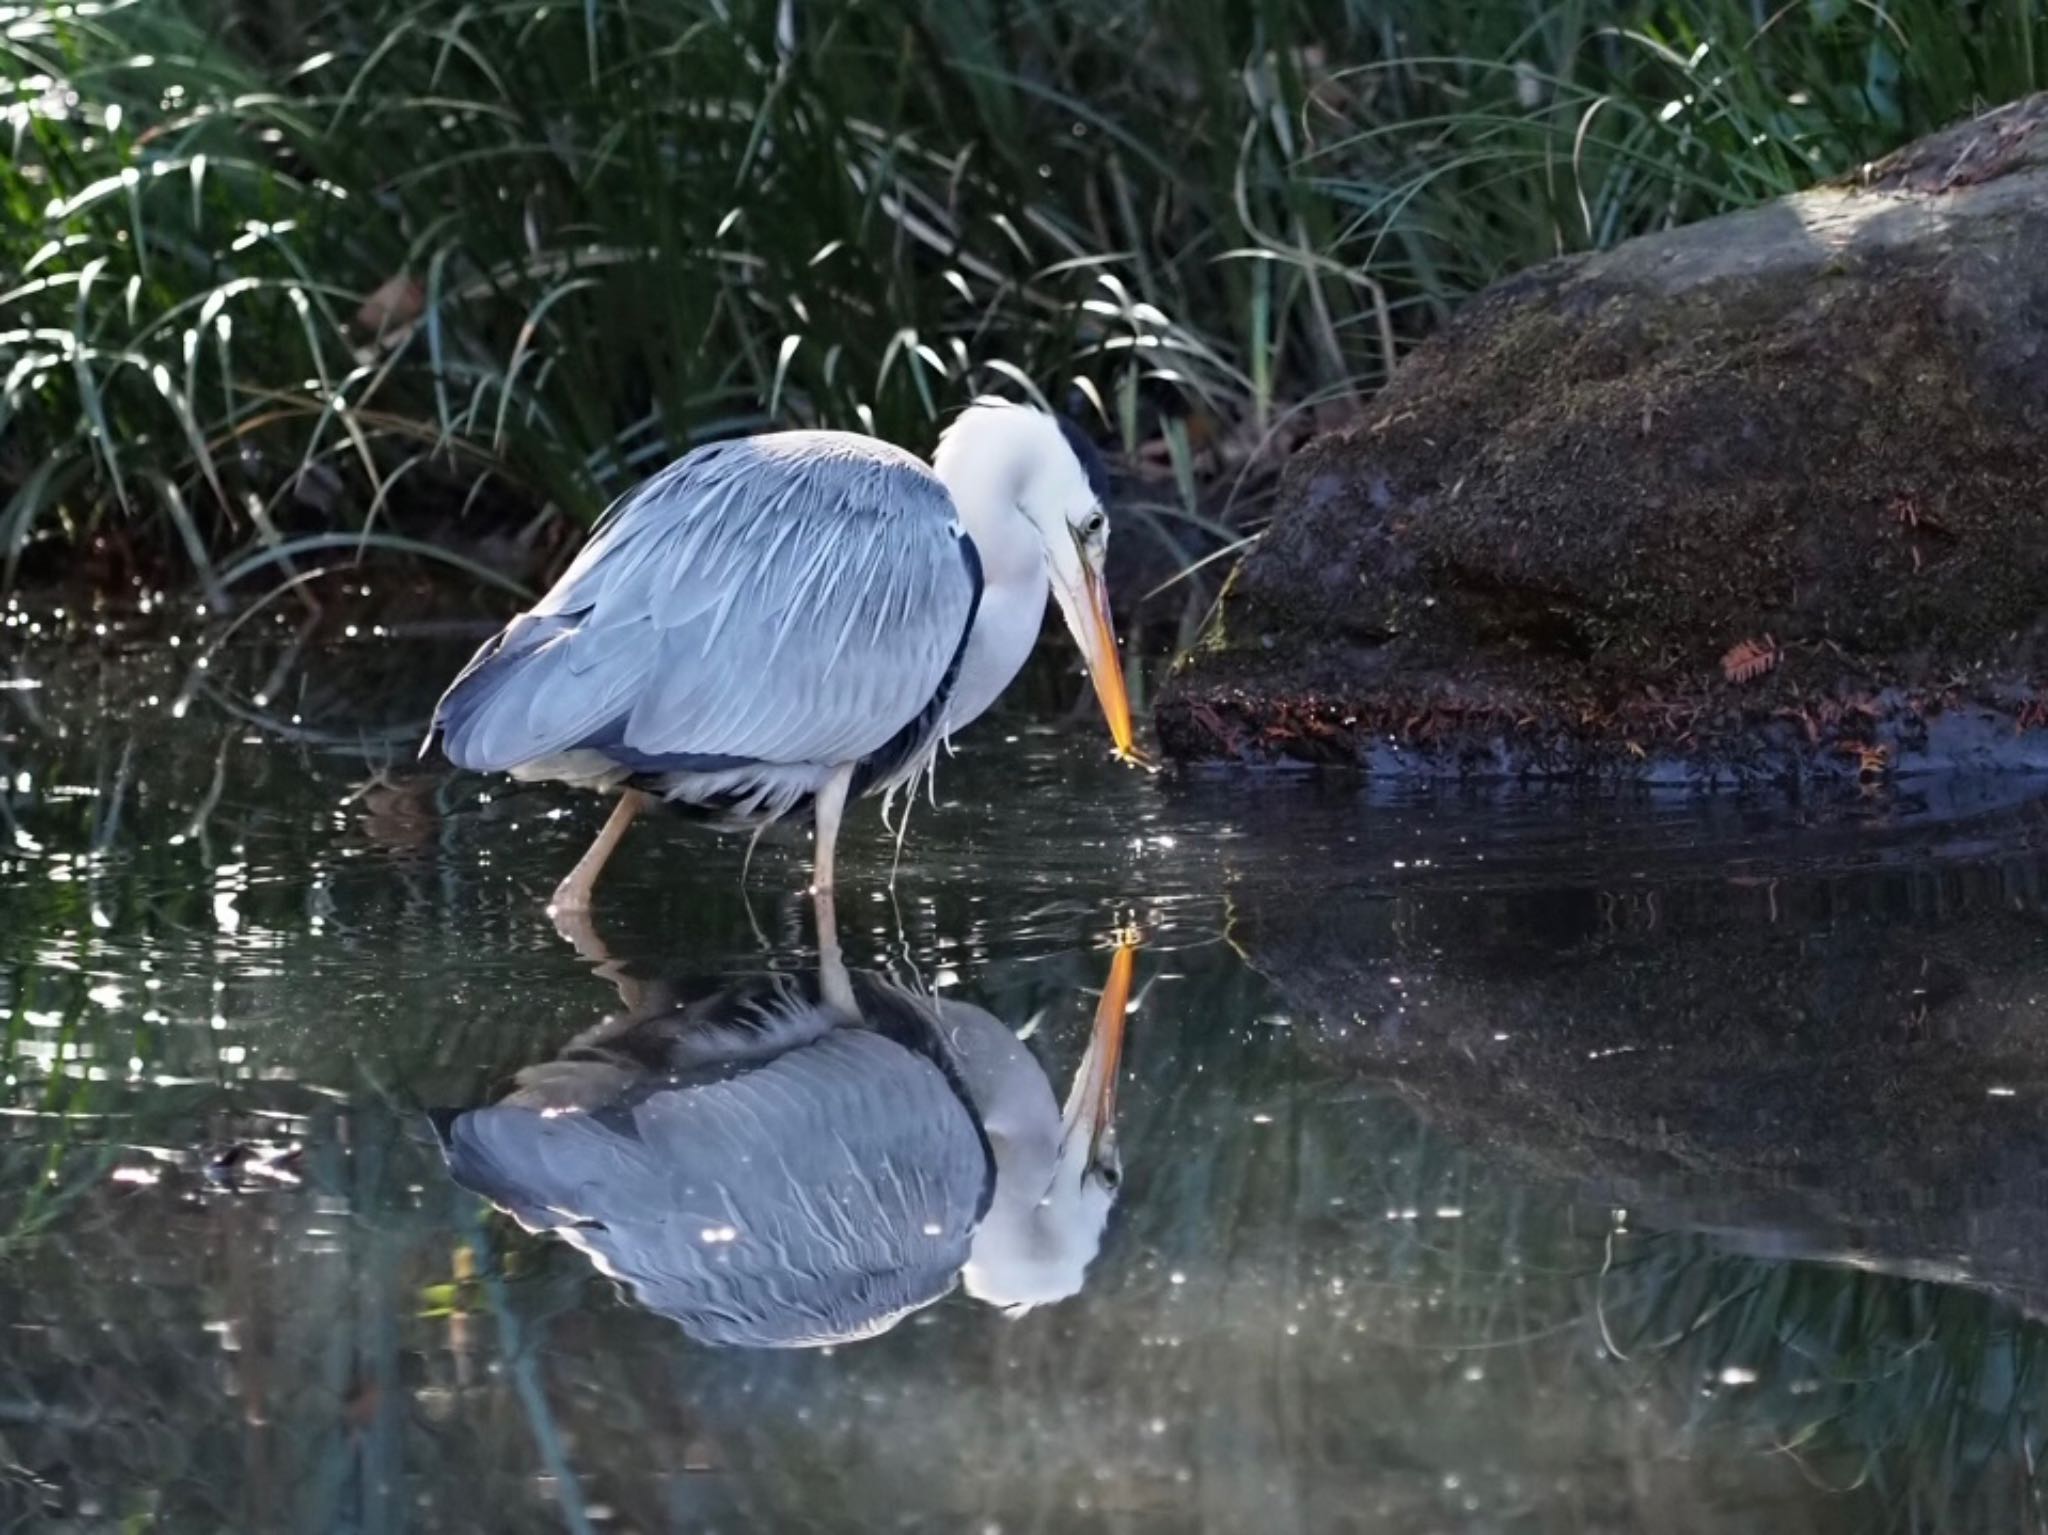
803 1161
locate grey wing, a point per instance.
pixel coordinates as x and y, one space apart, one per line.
796 598
814 1199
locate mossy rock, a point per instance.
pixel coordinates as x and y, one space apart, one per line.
1766 496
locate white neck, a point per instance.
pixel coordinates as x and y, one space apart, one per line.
983 460
1044 1222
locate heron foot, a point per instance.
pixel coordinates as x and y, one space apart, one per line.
573 894
573 926
571 897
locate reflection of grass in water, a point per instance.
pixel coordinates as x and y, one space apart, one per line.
1933 1395
235 1362
40 1179
51 1153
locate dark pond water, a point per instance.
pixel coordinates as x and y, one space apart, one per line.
1490 1164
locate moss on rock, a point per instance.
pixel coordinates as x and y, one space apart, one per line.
1816 429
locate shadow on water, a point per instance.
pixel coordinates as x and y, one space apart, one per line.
1500 1163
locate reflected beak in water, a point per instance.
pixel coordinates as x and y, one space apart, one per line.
1091 1104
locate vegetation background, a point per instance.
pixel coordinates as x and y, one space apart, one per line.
280 278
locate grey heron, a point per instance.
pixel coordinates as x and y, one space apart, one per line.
781 1166
795 618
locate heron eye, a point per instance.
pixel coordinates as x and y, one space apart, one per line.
1095 525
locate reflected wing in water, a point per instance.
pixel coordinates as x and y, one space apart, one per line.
812 1197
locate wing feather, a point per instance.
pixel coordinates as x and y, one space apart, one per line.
849 1169
794 598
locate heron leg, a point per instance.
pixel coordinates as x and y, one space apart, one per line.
573 894
835 986
830 806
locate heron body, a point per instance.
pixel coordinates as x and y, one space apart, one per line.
771 1168
786 620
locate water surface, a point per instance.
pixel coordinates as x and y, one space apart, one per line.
1489 1162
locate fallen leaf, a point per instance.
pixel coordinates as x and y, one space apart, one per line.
1749 659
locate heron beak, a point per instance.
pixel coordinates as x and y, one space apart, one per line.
1091 1103
1095 632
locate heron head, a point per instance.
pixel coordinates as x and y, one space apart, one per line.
1013 468
1038 1238
1064 502
1026 1256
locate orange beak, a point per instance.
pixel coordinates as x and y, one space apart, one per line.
1105 665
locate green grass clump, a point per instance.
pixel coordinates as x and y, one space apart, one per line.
447 267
